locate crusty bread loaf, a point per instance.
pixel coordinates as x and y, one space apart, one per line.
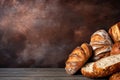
107 66
115 48
78 58
87 70
103 37
100 42
103 67
115 76
75 60
114 32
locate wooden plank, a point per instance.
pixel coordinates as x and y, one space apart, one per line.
38 74
32 72
32 69
47 78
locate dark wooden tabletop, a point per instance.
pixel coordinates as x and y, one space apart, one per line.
39 74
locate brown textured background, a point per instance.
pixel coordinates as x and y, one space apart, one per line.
42 33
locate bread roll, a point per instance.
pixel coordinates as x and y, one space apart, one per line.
107 66
115 76
114 32
102 39
115 48
101 43
78 58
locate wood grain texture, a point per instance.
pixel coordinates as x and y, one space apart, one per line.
38 74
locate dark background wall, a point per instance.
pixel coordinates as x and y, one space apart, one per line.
42 33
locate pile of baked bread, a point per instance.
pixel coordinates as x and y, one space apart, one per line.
100 57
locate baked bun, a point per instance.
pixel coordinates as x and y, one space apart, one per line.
77 58
114 32
101 43
115 76
115 48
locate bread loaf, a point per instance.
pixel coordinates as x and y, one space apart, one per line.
77 58
114 32
100 37
115 48
101 43
103 67
115 76
107 66
87 70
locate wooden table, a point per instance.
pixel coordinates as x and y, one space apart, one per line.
38 74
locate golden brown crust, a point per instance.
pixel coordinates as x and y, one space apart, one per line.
75 61
102 50
101 72
114 32
95 58
115 48
87 49
86 73
77 58
101 44
100 37
97 38
115 76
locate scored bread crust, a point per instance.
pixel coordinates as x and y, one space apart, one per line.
102 50
75 61
101 43
114 32
97 37
101 35
96 46
108 70
115 76
95 58
115 48
78 58
87 49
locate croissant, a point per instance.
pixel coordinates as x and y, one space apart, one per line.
77 58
